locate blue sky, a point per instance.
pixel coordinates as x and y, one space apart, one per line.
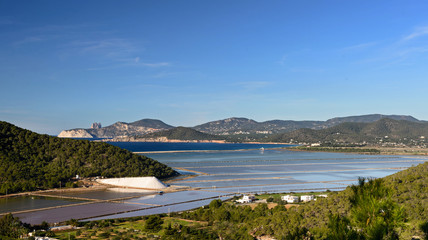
66 64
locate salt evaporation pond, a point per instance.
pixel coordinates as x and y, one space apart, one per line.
221 172
30 202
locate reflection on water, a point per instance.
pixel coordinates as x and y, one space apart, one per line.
220 174
76 212
166 209
177 197
105 194
31 202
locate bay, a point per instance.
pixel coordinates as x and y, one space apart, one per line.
190 146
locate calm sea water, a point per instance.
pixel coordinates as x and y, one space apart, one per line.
225 170
182 146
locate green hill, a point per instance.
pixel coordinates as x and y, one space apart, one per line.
182 133
30 161
151 123
357 132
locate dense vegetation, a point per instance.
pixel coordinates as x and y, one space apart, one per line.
151 123
234 125
182 133
30 161
11 227
383 130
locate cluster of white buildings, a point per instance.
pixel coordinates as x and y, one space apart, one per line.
246 199
303 198
286 198
290 199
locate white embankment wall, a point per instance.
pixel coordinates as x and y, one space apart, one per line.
135 182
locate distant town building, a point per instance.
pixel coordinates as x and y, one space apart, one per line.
290 199
263 132
322 195
307 198
96 125
61 228
240 132
246 199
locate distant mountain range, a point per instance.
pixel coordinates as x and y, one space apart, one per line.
233 126
380 131
225 127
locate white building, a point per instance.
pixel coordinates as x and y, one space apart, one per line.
246 199
307 198
290 199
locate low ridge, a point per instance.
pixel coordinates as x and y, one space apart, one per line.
382 130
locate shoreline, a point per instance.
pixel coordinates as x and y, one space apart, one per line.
165 140
409 151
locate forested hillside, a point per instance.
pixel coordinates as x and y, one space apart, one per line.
357 132
30 161
235 126
182 133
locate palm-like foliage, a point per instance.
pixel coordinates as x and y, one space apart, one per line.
373 212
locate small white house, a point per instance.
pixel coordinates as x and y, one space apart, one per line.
246 199
307 198
290 199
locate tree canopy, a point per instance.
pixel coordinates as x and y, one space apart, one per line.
31 161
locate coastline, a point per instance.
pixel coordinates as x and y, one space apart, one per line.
408 151
166 140
158 140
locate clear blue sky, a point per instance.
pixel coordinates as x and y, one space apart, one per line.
66 64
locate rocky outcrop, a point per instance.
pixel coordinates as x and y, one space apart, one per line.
118 129
121 129
75 133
